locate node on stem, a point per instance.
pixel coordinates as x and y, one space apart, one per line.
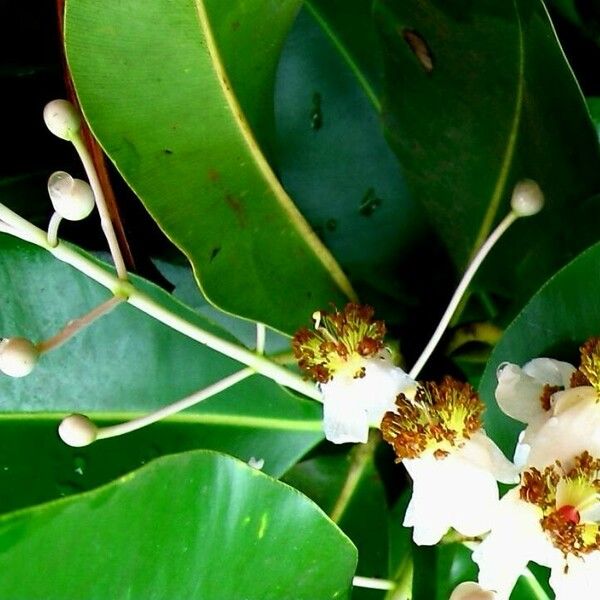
18 356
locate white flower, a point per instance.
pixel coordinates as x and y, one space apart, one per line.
551 518
526 394
453 464
471 591
345 355
351 405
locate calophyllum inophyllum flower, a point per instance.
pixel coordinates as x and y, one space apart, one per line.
553 516
438 437
536 395
345 354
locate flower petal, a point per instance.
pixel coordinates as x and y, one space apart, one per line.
550 371
516 538
482 452
581 581
449 492
518 394
382 383
344 417
573 429
470 590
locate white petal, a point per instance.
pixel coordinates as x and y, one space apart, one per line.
449 493
382 383
482 452
344 417
429 524
516 538
471 591
573 429
581 581
550 371
518 394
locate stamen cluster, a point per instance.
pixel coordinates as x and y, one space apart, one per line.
589 367
563 523
440 417
339 341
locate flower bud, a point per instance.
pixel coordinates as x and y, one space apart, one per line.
18 356
71 198
62 119
77 431
527 198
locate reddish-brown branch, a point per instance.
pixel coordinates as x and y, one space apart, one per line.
97 154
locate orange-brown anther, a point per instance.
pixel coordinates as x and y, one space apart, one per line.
440 417
338 340
563 523
546 397
589 368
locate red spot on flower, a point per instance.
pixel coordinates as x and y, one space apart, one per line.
569 513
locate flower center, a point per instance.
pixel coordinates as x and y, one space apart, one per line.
339 343
569 500
569 514
440 418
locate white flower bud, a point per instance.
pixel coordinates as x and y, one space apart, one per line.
471 591
527 198
71 198
77 431
18 356
62 119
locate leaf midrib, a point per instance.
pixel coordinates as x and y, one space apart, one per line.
186 419
499 188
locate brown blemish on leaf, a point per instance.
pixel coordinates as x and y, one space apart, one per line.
214 175
238 209
419 48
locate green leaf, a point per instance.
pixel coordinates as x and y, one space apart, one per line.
350 29
334 160
559 318
194 525
471 88
348 488
122 366
179 94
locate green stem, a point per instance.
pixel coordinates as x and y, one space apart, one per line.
361 455
65 253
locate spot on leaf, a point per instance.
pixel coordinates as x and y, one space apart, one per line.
419 48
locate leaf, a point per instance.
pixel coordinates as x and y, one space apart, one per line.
471 88
122 366
348 488
194 525
335 162
559 318
350 29
185 101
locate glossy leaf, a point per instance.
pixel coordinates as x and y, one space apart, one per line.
187 100
348 488
559 318
121 366
471 88
194 525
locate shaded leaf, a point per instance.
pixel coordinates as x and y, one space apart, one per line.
470 90
122 366
194 525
